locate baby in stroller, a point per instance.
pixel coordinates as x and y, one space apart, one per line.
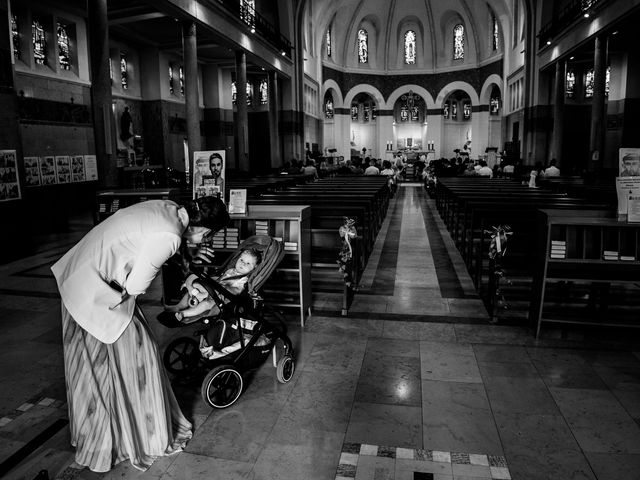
197 302
239 331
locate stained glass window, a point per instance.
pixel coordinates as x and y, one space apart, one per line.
249 90
588 83
328 41
570 84
458 42
247 11
415 114
410 47
494 105
170 79
328 108
64 55
39 43
15 36
367 112
496 33
181 77
363 46
234 92
374 113
124 74
404 113
607 81
264 92
354 112
445 110
454 110
466 111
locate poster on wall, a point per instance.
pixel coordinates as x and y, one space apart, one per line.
208 174
48 170
9 185
32 172
63 169
90 168
629 162
77 168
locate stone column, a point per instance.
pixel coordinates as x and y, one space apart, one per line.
558 111
241 120
274 119
101 100
191 95
598 110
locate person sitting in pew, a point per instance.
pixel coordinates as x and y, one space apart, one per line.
552 170
484 170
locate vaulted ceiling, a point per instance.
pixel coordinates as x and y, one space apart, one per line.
386 21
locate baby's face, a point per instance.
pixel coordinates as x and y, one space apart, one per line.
245 263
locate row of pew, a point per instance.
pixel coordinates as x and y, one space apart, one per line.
471 206
362 198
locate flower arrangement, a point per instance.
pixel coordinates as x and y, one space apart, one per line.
347 233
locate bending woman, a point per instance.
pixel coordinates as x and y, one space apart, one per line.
121 405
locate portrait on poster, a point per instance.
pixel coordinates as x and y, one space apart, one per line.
208 173
77 168
629 162
48 170
63 169
32 172
9 185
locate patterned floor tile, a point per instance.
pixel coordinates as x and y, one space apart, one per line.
374 462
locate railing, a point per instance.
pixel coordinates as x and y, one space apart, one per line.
257 24
569 14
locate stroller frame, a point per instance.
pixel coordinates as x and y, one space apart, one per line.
224 382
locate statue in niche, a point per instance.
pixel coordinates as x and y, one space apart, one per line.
125 125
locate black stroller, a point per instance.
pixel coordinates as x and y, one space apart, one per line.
237 339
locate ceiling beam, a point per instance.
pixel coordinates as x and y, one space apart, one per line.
137 18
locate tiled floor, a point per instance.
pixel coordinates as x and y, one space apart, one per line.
414 384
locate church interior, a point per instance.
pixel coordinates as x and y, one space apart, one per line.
445 323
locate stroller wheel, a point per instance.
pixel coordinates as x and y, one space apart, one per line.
285 368
222 386
181 356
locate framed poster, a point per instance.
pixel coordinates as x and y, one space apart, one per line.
238 201
208 173
90 168
48 170
63 169
32 172
77 168
9 185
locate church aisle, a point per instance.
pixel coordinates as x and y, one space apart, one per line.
395 392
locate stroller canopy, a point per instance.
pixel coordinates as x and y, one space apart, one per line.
272 254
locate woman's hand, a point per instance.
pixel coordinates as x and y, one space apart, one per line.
203 255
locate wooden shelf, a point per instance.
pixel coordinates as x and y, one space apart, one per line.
586 235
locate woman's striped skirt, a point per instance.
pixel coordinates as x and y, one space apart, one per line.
121 405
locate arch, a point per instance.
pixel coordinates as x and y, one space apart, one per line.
485 91
365 88
417 89
410 22
336 92
371 24
452 87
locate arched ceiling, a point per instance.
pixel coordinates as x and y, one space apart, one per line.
386 21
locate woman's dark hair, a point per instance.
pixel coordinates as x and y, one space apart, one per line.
209 212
